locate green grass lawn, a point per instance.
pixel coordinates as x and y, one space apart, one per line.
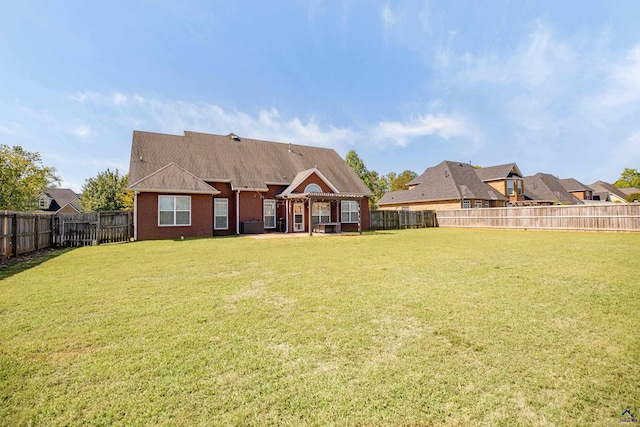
416 327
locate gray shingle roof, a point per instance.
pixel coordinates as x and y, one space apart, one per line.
546 187
571 185
243 162
61 197
629 190
173 178
601 186
499 172
445 181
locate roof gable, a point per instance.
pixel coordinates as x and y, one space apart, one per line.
244 163
173 178
493 173
601 186
302 176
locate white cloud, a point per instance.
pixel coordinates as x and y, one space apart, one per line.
119 99
81 131
441 125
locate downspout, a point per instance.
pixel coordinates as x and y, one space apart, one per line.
135 216
238 212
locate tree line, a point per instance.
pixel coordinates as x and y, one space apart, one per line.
23 179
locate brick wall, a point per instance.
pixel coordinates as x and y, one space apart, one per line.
147 218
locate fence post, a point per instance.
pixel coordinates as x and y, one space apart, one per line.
37 231
14 238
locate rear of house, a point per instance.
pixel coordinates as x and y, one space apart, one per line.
200 185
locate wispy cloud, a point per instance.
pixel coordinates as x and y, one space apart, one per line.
444 126
81 131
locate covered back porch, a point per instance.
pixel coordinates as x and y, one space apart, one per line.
323 212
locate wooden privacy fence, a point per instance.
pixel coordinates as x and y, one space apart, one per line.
394 220
93 228
615 217
22 233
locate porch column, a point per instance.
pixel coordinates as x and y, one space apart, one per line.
310 201
286 216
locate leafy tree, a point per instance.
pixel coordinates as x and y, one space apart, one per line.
106 192
376 183
633 197
22 178
628 178
399 182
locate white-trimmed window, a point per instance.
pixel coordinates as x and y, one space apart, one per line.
486 204
478 204
466 204
174 211
313 188
520 185
320 212
220 214
510 187
269 213
349 211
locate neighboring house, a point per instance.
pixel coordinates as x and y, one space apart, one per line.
630 190
59 201
448 185
507 179
578 189
546 189
608 192
203 185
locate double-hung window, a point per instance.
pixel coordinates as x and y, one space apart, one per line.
320 213
466 204
269 213
174 210
221 214
349 210
478 204
510 187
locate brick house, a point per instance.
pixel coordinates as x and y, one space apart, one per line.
578 189
199 185
448 185
546 189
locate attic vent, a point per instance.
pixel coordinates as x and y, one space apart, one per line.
234 137
446 174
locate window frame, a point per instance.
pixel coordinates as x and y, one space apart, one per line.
314 209
266 202
520 185
311 188
174 210
513 185
350 212
466 204
216 206
477 204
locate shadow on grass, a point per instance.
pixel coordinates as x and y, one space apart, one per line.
12 266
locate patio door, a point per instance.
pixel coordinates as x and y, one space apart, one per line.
298 217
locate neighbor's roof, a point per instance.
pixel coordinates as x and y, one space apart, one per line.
445 181
543 186
491 173
61 197
629 190
572 185
601 186
248 164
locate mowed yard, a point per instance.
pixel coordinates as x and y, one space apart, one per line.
400 328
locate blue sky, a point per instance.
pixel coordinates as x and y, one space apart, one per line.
553 86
